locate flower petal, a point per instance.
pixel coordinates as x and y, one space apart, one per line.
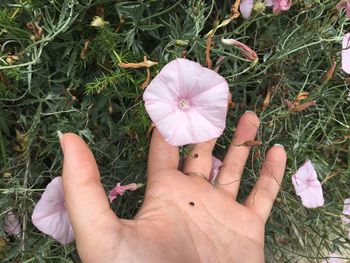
216 163
312 197
306 172
333 258
307 186
346 208
268 2
346 53
246 8
187 102
12 224
120 189
50 215
281 5
346 211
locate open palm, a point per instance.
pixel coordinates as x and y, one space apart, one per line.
183 218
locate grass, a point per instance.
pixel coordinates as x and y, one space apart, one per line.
52 88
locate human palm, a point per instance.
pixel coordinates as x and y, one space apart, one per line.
183 218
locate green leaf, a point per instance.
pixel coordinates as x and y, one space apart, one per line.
149 27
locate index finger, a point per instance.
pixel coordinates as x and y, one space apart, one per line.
85 197
162 155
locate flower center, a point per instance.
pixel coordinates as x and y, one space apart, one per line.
184 104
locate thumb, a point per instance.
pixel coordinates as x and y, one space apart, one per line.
85 198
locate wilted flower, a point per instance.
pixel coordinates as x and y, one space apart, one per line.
12 224
187 102
50 215
307 186
120 189
344 4
279 5
216 163
247 51
345 54
98 22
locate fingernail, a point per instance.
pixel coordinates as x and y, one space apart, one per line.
60 137
278 145
249 111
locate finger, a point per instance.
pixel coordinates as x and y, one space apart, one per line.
199 160
237 154
162 155
85 197
264 193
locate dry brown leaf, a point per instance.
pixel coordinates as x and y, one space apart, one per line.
301 96
234 14
207 50
150 130
11 58
84 50
218 63
148 79
234 9
36 29
145 64
330 72
266 101
250 143
304 106
289 104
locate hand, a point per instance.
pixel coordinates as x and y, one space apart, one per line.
183 218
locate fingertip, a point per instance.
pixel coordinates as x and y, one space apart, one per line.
77 158
277 153
252 118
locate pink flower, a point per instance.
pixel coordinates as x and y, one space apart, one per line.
345 54
50 215
246 8
279 5
344 4
346 211
120 189
307 186
187 102
247 51
216 163
12 224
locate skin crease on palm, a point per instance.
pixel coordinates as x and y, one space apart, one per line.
183 218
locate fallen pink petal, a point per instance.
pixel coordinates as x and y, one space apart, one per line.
12 224
247 51
246 8
187 102
344 4
307 186
279 5
345 54
120 189
50 215
216 163
346 211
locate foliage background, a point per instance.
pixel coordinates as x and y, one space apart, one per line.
52 86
